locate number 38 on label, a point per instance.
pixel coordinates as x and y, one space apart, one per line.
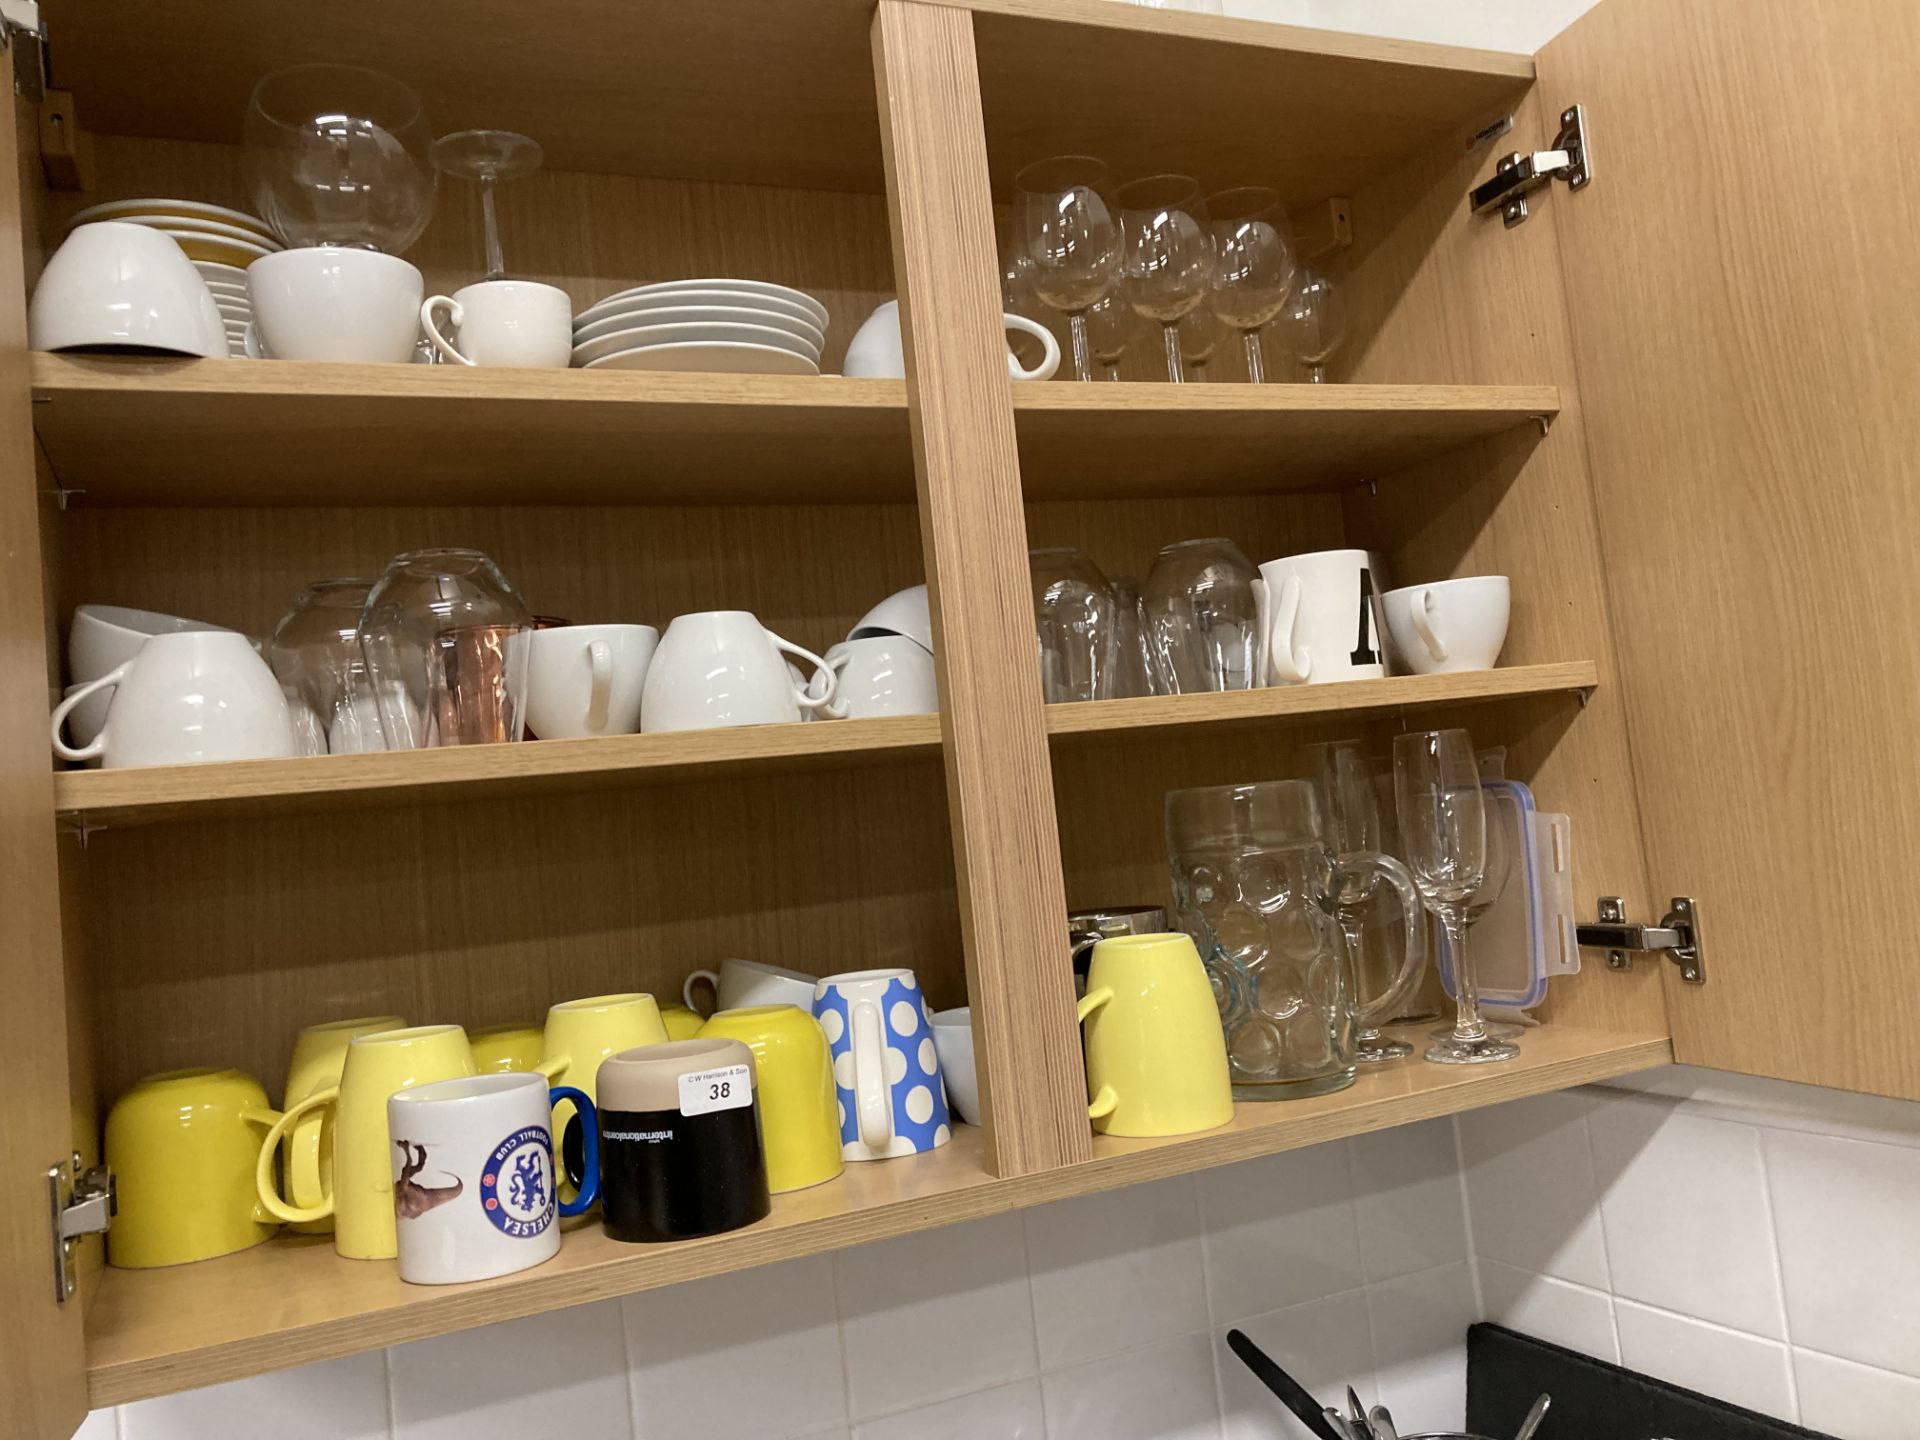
704 1091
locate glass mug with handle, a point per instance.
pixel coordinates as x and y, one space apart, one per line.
1256 882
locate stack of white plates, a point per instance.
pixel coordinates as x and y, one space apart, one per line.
221 243
747 327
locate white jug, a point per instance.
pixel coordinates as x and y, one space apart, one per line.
877 351
185 699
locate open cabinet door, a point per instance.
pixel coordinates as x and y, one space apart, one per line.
1746 330
43 1390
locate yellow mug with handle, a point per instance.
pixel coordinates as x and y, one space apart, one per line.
505 1049
799 1111
579 1036
181 1146
359 1192
1156 1057
318 1053
681 1023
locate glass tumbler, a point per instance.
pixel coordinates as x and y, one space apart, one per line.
1200 615
1255 883
444 638
1077 623
315 654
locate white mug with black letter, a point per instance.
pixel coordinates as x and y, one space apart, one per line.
1318 619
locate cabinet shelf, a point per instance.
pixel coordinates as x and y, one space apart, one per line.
220 432
293 1301
122 798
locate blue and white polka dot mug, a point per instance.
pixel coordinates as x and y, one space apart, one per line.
886 1070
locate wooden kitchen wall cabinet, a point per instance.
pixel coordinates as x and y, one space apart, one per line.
1675 405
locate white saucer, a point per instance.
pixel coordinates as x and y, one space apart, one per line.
173 224
184 209
765 288
726 357
600 313
648 336
804 330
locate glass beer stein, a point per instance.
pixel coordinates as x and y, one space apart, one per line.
1256 883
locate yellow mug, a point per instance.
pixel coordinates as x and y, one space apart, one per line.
1156 1057
360 1195
681 1023
318 1053
580 1035
182 1148
799 1111
502 1049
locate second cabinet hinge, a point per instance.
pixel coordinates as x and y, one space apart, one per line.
80 1202
1678 936
1570 160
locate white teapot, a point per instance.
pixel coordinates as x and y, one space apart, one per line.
877 351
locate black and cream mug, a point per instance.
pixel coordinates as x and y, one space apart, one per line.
680 1148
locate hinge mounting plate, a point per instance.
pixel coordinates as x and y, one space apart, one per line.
1570 159
80 1202
24 33
1678 936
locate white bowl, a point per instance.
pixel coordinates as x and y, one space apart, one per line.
111 285
902 613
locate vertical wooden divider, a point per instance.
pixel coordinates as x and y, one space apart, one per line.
999 779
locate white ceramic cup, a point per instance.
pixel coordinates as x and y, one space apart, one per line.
587 680
114 285
877 351
503 322
184 700
881 675
101 637
1449 625
741 983
330 303
905 612
1317 619
473 1177
953 1037
721 668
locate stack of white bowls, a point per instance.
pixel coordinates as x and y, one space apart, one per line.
745 327
221 243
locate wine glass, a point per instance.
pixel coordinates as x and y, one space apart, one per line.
1112 328
1069 240
1443 826
1503 822
1167 254
1201 332
337 155
1253 264
1315 321
487 157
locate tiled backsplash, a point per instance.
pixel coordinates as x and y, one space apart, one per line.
1744 1238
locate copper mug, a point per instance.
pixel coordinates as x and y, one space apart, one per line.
468 677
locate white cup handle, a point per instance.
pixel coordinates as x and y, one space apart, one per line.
823 702
600 657
1049 362
455 315
872 1095
1286 663
254 346
98 745
1420 612
837 710
686 990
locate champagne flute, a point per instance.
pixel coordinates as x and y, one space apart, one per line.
1443 825
1316 322
1253 266
1069 241
1167 255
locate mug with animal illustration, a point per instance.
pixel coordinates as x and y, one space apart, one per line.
475 1193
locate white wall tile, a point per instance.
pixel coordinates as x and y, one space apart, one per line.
1419 1327
1280 1231
1116 1270
1007 1412
1531 1190
1326 1345
335 1400
719 1358
935 1314
1857 1401
1406 1196
99 1425
1566 1314
515 1378
1164 1392
1849 1248
1725 1364
1684 1209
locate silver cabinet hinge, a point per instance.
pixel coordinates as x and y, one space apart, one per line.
80 1202
1678 936
1570 160
25 34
